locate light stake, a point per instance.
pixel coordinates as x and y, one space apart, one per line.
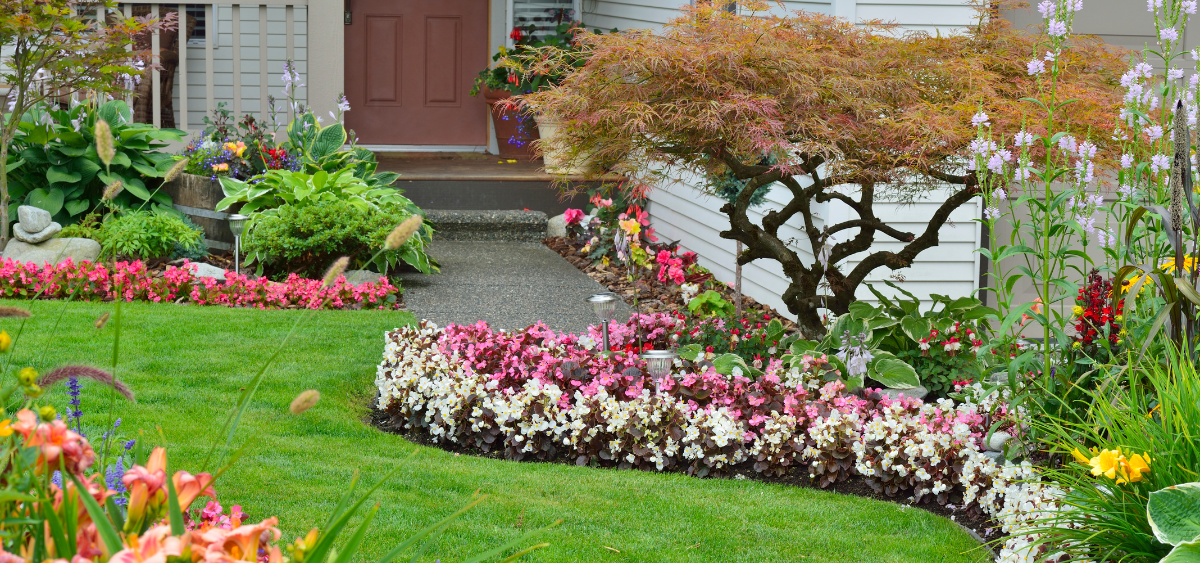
605 307
237 222
659 363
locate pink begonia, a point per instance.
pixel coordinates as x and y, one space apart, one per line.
573 216
131 281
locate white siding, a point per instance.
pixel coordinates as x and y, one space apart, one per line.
679 211
630 14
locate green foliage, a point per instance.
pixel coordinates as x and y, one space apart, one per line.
306 239
1174 514
61 172
142 235
320 149
920 337
727 186
284 187
710 304
1154 413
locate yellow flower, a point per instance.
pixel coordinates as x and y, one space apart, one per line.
1168 266
1080 457
1137 466
1077 311
631 226
6 428
1106 463
5 341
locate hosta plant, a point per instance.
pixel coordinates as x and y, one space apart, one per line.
62 173
1174 514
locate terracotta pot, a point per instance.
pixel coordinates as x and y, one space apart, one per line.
554 154
514 133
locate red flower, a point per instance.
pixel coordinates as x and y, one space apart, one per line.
516 34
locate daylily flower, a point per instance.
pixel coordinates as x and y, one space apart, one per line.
188 487
61 448
154 546
146 494
244 543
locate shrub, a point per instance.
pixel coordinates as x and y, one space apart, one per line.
305 239
142 235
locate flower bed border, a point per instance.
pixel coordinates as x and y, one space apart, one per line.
88 281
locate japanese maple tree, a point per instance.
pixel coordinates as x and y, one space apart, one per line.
853 113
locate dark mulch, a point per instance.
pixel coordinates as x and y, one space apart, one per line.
982 527
652 295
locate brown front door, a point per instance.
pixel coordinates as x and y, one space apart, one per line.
409 67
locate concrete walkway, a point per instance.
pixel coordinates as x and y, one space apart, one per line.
510 285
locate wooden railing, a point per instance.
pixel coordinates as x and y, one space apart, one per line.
320 59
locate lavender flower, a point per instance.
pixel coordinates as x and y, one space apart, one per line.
74 413
112 480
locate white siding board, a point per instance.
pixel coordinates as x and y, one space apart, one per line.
678 211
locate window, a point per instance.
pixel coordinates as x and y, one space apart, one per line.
198 34
543 15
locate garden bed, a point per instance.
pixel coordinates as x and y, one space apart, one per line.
540 395
653 296
134 281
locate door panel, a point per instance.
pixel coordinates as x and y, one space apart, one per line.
384 60
409 67
442 61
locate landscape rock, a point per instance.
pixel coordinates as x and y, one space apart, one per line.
33 219
997 441
202 270
53 251
357 277
35 237
557 226
917 392
996 457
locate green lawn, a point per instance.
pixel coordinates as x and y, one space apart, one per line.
187 363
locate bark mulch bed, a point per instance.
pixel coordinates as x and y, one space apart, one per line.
984 529
653 296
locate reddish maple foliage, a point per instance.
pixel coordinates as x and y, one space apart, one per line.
854 113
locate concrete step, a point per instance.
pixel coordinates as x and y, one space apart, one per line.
487 225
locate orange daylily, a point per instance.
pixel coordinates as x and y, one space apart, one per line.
154 546
188 487
218 545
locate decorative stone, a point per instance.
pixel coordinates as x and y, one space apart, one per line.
33 219
997 441
35 237
202 270
358 277
557 226
53 251
917 392
996 457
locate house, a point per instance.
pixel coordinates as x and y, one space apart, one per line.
406 66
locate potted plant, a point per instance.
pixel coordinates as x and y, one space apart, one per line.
514 75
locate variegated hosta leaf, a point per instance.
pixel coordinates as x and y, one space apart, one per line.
1183 553
1174 514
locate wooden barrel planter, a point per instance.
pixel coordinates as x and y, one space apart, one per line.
197 197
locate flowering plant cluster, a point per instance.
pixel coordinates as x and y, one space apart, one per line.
131 281
751 339
1115 465
544 395
1097 330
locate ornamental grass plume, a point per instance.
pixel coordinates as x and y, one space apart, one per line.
103 320
1182 155
105 147
335 271
112 190
13 312
304 401
87 372
404 231
176 170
